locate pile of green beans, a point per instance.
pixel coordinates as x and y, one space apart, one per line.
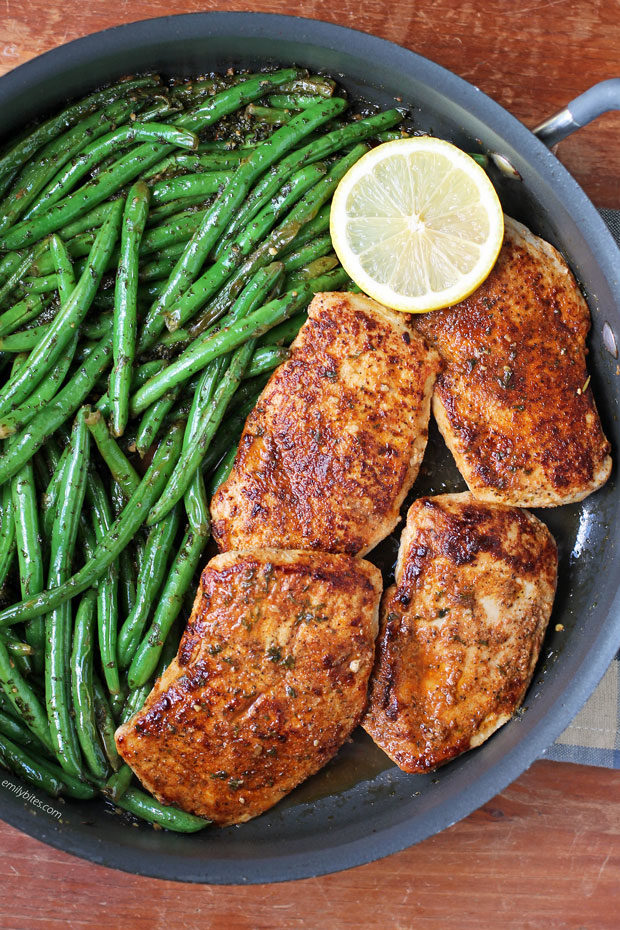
159 246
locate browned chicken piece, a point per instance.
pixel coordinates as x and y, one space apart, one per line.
336 440
514 403
461 630
270 679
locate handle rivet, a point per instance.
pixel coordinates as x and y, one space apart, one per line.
505 166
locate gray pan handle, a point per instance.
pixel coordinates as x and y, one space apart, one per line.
580 111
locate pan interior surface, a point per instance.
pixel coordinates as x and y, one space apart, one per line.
361 807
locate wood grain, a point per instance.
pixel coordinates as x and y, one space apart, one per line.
544 853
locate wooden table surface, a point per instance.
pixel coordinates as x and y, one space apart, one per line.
546 852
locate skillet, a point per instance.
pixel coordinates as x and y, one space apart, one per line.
361 807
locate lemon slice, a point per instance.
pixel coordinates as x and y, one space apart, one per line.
417 224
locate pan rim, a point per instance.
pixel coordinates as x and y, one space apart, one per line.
591 665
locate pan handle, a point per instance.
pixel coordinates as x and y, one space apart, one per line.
580 111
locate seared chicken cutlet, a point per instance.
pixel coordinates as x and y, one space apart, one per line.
460 630
514 403
336 440
270 679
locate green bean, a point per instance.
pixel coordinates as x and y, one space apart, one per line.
77 247
313 151
12 422
169 605
229 432
50 498
40 285
105 724
125 305
19 270
18 733
156 557
88 221
211 345
308 232
6 182
62 406
208 161
20 314
126 566
179 228
279 239
189 185
292 101
72 487
117 784
140 376
134 163
196 503
8 264
7 533
60 332
166 653
65 278
222 211
266 358
126 583
197 506
318 267
162 263
24 341
18 418
121 533
224 469
246 277
301 257
483 160
135 701
22 698
182 205
120 467
20 653
82 686
171 818
390 135
107 589
42 773
152 420
36 174
285 332
290 193
97 151
44 132
270 116
29 552
210 419
168 252
14 758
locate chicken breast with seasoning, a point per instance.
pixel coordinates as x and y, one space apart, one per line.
461 629
270 679
514 402
336 440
